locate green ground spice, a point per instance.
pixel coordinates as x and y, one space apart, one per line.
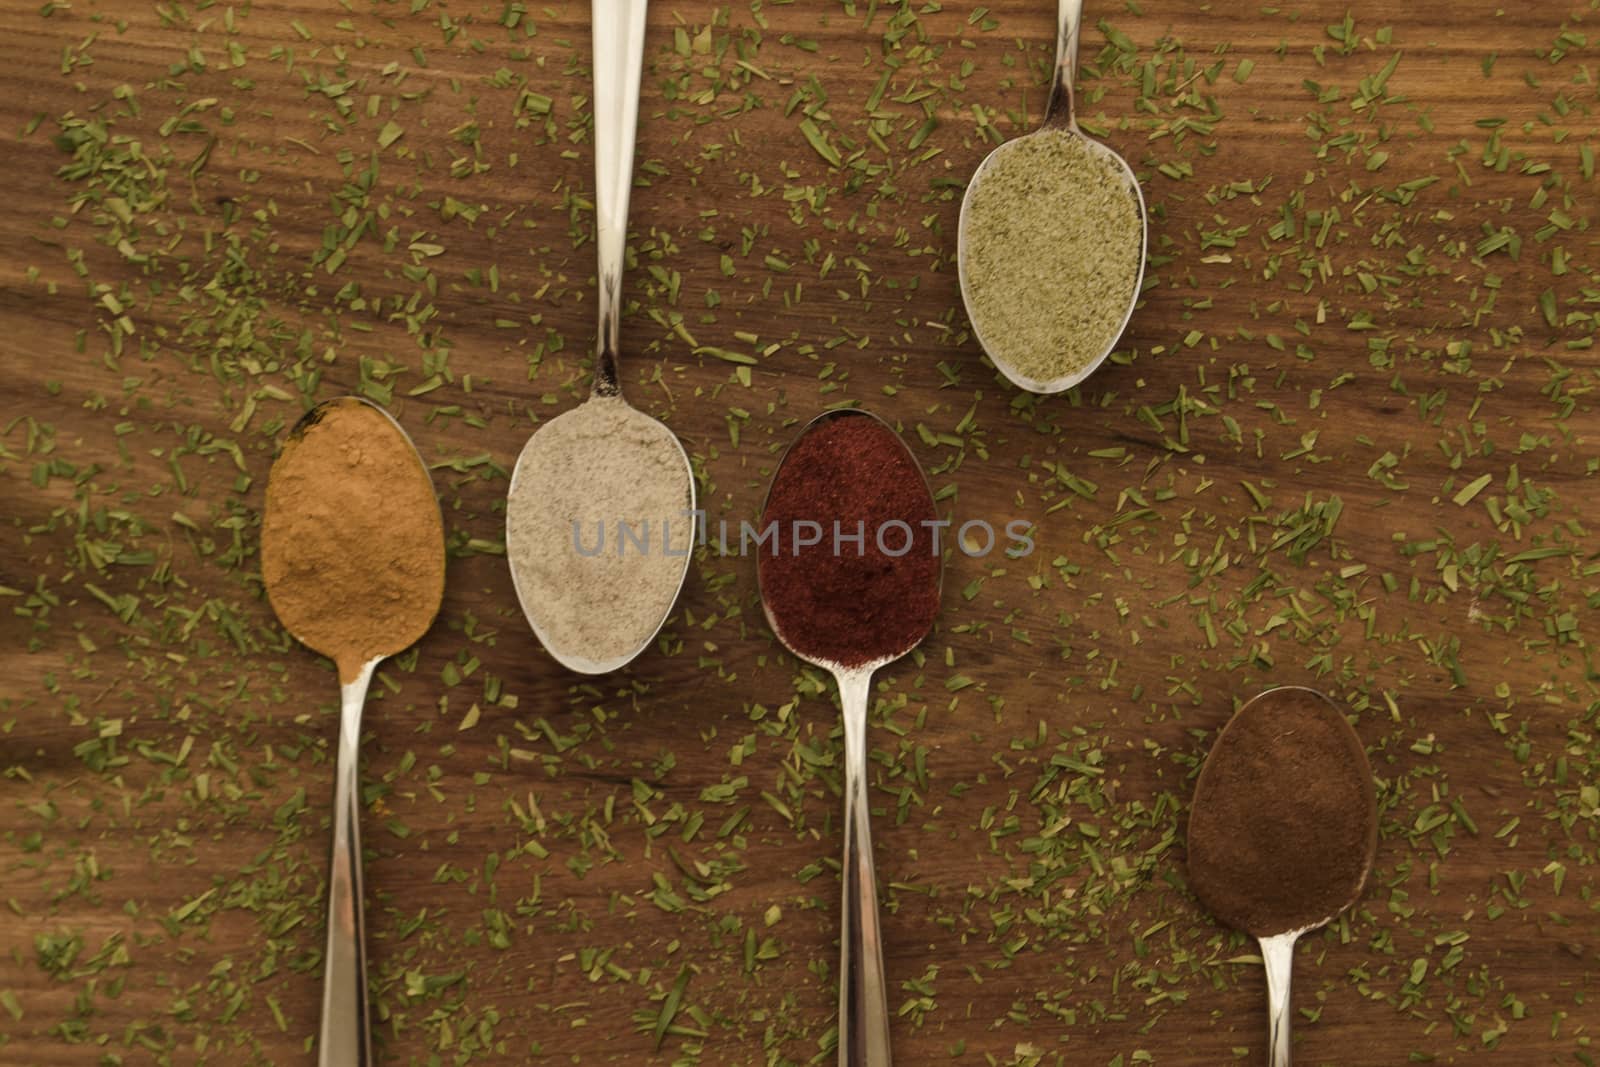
1051 251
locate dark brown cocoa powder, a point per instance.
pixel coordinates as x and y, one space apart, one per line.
1284 822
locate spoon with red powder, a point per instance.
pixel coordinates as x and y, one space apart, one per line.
849 570
1283 830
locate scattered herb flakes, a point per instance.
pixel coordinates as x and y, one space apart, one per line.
1345 443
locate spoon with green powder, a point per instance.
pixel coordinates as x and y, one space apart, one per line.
1051 242
598 527
1283 830
352 557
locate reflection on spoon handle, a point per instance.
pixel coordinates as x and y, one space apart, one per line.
863 1000
1060 111
345 1041
1277 953
618 28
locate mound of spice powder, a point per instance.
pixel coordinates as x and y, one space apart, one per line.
843 601
1284 822
352 544
1052 242
584 475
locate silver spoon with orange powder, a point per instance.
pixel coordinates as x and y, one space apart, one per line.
352 555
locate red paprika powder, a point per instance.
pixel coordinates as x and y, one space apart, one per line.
867 588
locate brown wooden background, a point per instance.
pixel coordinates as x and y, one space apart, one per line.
1261 490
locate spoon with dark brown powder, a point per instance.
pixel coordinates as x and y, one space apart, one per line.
1283 830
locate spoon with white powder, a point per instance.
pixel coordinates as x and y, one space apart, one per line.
1050 246
598 516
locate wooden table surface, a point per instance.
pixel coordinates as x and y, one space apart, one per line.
1349 442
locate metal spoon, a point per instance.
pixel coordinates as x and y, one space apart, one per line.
1277 949
618 29
1060 117
1277 956
863 995
345 1040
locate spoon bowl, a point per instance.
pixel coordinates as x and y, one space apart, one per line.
1060 121
863 994
316 627
814 423
531 590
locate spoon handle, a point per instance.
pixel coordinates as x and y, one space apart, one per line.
1277 953
618 55
1060 111
863 1000
345 1041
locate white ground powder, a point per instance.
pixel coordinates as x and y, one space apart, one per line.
595 600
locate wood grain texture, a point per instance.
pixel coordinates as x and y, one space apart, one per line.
1315 331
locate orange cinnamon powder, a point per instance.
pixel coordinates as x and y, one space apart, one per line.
352 543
